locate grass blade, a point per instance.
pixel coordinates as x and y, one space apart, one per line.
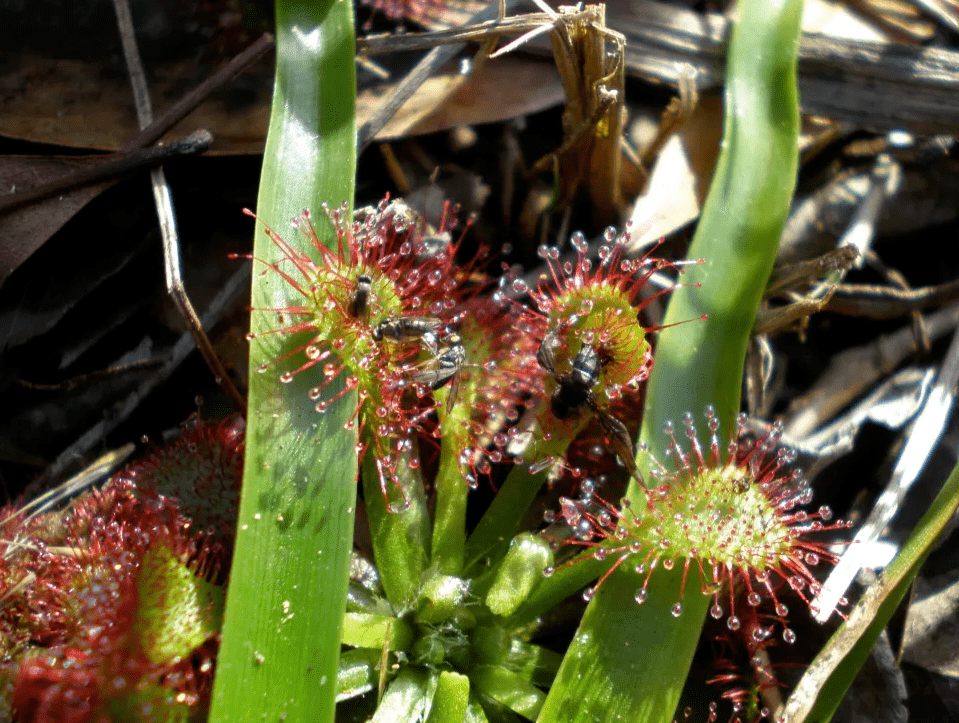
628 662
278 659
825 683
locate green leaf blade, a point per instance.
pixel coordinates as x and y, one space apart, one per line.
628 661
278 659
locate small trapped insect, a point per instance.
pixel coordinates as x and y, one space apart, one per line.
575 391
398 213
445 364
575 388
434 246
360 298
446 368
417 328
428 243
445 346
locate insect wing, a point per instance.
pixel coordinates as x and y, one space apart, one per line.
544 355
435 378
446 365
452 394
620 440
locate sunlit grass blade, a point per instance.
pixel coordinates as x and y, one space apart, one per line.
281 635
629 662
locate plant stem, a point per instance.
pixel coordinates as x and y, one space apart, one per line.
492 535
401 538
449 532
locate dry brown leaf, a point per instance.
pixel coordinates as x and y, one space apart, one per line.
80 104
680 177
499 90
24 230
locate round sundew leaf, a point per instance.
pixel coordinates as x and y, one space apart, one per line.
611 327
176 610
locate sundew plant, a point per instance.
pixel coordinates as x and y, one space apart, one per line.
393 376
380 354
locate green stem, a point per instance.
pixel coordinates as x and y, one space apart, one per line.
628 661
492 535
449 532
501 521
558 586
401 537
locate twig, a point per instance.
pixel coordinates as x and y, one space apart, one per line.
84 379
888 302
593 81
102 467
132 156
854 245
873 85
414 79
945 17
854 370
190 145
189 102
165 214
477 30
791 276
231 290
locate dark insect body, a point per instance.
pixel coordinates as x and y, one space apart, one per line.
445 364
401 328
445 346
360 298
574 391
